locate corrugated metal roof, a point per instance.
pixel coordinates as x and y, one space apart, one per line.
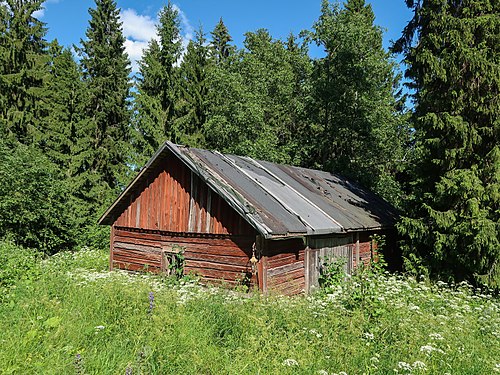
277 200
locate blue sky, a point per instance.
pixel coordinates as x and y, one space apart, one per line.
67 20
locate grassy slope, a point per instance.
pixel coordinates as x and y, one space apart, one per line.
381 325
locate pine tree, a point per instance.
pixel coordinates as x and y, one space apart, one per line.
452 50
23 64
157 85
357 129
103 145
220 46
192 106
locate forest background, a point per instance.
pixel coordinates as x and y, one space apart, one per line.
76 126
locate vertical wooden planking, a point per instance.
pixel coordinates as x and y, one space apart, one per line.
203 212
192 211
171 199
209 211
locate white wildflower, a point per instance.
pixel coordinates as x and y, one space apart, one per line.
290 362
419 365
404 366
436 336
368 335
497 367
323 372
428 349
99 328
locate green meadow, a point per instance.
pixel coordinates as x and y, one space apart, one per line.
67 314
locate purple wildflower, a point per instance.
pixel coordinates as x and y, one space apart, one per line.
79 370
151 302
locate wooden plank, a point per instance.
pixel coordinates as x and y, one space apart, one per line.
202 194
131 246
135 267
284 269
284 278
134 234
217 266
215 274
169 202
277 262
209 211
192 213
239 261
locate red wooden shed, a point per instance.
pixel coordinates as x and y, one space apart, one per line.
241 220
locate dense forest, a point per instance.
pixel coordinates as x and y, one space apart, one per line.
75 125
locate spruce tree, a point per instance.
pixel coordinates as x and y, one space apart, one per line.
23 64
452 50
191 104
63 108
356 126
103 144
220 46
157 86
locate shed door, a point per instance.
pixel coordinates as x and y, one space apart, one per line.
321 252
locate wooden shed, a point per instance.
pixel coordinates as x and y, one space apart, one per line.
241 220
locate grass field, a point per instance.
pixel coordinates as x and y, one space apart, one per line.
68 315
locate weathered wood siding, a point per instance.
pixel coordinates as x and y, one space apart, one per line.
174 199
356 249
174 210
213 257
282 269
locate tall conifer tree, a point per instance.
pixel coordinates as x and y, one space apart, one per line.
452 50
157 85
103 145
220 46
63 109
192 106
23 64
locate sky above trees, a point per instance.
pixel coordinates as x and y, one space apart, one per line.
68 19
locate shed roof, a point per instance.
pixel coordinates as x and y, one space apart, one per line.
277 200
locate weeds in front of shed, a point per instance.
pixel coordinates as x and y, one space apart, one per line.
74 306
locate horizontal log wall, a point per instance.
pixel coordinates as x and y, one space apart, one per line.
284 266
212 257
175 199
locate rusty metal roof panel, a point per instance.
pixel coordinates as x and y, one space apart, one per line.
272 212
352 206
277 200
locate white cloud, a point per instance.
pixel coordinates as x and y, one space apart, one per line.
140 29
134 50
39 13
136 26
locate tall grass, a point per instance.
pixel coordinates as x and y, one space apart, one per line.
75 317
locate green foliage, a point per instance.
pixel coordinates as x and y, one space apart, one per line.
255 100
358 130
332 272
158 86
16 263
102 153
23 67
34 211
102 319
453 57
193 89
